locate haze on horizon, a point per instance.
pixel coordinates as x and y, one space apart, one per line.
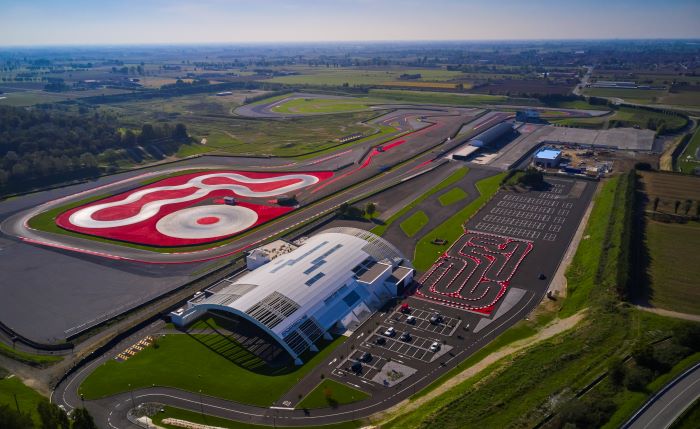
83 22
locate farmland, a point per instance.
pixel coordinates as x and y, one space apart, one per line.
358 76
689 160
672 272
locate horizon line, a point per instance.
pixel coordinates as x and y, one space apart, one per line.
371 41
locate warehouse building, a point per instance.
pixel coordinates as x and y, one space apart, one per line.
485 140
335 280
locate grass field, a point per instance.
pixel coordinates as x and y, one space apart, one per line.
521 389
330 393
414 223
195 417
27 398
673 270
211 118
437 97
452 196
320 105
426 252
643 96
627 117
689 160
451 179
355 76
28 358
217 365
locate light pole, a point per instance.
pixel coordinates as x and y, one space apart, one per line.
131 392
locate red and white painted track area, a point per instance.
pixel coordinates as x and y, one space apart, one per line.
188 209
475 272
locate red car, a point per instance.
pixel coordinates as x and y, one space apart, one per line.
405 308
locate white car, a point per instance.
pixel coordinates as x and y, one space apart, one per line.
390 332
435 346
411 320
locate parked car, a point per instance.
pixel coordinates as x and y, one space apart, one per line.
356 367
381 341
405 308
435 347
405 337
390 332
411 320
436 319
366 357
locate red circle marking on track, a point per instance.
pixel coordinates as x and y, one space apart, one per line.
207 220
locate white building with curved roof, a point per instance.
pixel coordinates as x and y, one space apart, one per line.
336 279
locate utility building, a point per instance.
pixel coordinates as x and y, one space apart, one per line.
547 157
335 280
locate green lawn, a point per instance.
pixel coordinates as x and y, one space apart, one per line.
330 393
356 76
414 223
27 398
451 179
436 97
688 160
631 95
216 364
673 269
452 196
581 274
195 417
28 358
426 252
320 105
626 117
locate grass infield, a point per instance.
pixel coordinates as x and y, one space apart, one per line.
330 393
197 417
414 223
426 252
216 364
452 196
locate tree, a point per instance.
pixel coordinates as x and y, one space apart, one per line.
51 416
532 178
676 206
688 205
13 419
371 209
83 420
656 203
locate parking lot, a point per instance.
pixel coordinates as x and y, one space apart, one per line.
534 216
422 322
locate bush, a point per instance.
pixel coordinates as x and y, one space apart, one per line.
637 378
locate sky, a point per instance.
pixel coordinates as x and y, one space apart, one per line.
99 22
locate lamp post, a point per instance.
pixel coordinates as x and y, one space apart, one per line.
131 392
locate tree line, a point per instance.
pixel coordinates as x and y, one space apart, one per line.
41 147
50 415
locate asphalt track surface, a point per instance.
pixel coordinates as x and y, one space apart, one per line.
667 405
472 331
70 283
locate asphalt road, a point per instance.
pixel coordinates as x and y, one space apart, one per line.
70 283
111 412
666 406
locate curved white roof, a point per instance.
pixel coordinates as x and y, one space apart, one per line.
278 293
